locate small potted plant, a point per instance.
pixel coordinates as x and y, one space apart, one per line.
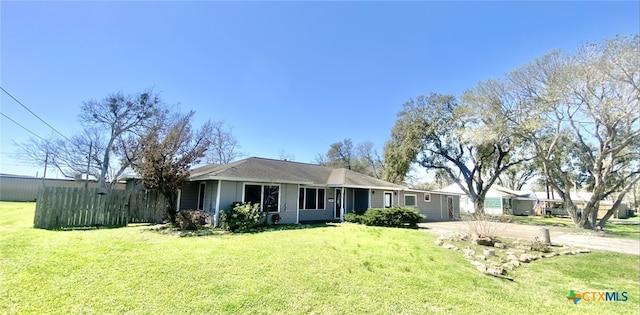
275 218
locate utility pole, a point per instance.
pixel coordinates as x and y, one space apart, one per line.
86 182
46 161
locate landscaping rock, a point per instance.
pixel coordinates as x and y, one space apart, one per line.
480 266
583 251
495 270
525 258
510 253
485 241
476 263
515 263
489 252
448 246
459 237
549 255
481 257
567 252
439 242
499 245
469 252
512 257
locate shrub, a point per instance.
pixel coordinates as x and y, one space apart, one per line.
392 217
242 217
191 219
353 217
484 226
539 246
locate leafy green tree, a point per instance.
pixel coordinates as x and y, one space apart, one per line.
472 142
362 158
591 136
519 175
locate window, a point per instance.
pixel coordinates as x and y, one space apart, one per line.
427 197
410 200
311 199
267 196
388 199
201 196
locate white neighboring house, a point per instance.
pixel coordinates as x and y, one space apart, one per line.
498 200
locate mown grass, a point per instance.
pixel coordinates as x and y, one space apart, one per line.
613 229
343 269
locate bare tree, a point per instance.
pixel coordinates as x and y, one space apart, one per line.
321 159
117 116
38 152
224 145
370 159
284 155
168 150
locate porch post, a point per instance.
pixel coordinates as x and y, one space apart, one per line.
216 218
298 207
342 202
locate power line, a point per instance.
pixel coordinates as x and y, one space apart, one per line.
32 113
23 127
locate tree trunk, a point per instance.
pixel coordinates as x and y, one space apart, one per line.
478 206
172 199
609 213
105 163
618 201
572 211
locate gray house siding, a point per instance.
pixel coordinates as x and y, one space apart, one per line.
325 214
437 208
189 196
377 198
288 203
230 192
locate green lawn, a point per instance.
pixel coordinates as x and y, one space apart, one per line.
325 270
612 229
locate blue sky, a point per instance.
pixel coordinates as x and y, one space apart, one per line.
292 76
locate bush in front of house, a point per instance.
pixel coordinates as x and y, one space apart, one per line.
353 217
191 220
243 216
388 217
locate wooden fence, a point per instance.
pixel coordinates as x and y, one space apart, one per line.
66 207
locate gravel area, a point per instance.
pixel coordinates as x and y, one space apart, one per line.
559 235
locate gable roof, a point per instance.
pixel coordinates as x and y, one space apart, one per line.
269 170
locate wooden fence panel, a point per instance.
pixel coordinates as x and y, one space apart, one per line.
64 207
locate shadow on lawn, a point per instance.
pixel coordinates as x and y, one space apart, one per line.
166 229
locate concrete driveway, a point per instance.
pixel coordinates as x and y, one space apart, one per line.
559 235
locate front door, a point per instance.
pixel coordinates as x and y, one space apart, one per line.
338 203
450 206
